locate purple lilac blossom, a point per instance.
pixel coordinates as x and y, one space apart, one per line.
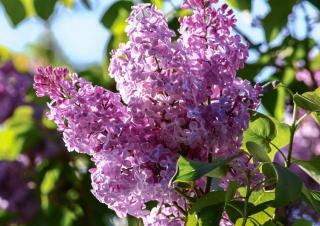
16 192
175 98
13 86
309 78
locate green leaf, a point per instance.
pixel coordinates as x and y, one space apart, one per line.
316 117
234 210
68 3
270 223
309 101
192 220
302 222
207 200
48 183
112 13
189 170
15 10
44 9
257 152
261 131
283 134
282 139
158 3
210 216
231 191
277 18
312 198
241 5
19 133
311 167
316 3
284 179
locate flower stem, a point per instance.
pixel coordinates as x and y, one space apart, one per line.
209 179
292 131
246 201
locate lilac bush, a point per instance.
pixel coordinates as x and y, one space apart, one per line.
17 194
175 98
182 141
13 86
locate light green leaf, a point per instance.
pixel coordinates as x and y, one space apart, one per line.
258 152
47 185
241 5
261 131
189 170
192 220
19 133
309 101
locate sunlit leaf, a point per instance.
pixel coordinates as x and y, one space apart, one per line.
189 170
258 152
261 131
309 101
241 5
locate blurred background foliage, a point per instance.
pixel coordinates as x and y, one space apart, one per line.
284 43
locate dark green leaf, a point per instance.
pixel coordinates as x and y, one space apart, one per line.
86 3
270 223
45 8
209 199
311 167
312 198
15 10
277 18
210 216
258 152
151 204
189 170
231 191
112 13
316 3
302 222
284 179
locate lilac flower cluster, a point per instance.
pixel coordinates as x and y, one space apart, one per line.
16 193
13 86
176 98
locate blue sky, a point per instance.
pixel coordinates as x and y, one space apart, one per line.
82 38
